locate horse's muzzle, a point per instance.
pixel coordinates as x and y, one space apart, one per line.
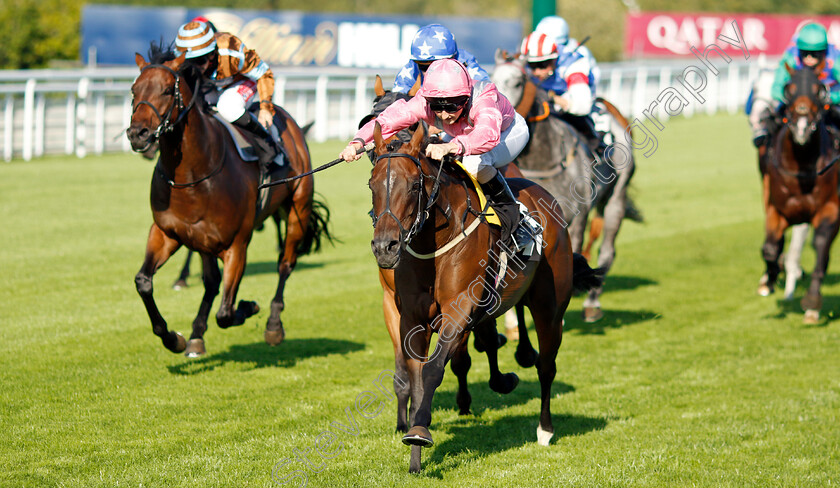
140 137
386 252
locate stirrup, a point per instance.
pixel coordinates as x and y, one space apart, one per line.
528 233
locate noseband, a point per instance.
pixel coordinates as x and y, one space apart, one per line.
165 124
407 234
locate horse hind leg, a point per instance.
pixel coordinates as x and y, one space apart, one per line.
525 355
500 383
460 366
824 235
159 248
613 216
181 282
211 278
548 322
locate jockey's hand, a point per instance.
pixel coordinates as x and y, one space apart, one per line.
265 119
561 103
438 151
434 130
350 152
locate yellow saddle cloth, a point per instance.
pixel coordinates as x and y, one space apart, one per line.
490 216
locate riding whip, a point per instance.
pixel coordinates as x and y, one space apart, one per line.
319 168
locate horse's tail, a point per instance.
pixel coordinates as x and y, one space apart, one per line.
317 229
585 278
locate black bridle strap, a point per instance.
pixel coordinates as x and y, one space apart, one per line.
165 125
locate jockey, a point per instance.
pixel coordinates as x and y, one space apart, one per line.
558 29
430 43
811 49
570 82
241 77
485 131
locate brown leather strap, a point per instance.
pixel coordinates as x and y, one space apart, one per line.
529 94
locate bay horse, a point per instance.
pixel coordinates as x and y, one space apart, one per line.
204 196
525 354
800 182
444 278
559 159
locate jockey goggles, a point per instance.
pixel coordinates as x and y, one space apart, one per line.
449 105
814 54
544 64
423 65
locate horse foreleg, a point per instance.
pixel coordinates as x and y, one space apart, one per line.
824 234
401 377
793 270
211 278
774 241
613 216
460 366
159 248
234 267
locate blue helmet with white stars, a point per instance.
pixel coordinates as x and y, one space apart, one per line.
433 42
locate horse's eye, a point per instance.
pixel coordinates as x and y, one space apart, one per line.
169 91
415 187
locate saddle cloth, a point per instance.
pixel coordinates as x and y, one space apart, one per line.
489 213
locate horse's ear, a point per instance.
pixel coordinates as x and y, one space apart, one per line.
417 139
141 63
377 87
177 62
501 55
790 70
820 67
377 138
414 88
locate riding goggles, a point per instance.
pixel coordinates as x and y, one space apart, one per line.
544 64
814 54
423 65
449 105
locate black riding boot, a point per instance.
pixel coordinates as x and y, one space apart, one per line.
266 146
504 203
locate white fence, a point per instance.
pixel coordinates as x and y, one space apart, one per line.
86 111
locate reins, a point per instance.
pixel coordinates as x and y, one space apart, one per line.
167 126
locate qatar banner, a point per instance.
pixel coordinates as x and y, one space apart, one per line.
289 38
669 34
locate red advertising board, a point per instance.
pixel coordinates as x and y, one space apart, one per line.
672 34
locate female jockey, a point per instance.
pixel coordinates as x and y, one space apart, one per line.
239 74
484 128
430 43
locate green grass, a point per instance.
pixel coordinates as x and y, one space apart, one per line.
690 380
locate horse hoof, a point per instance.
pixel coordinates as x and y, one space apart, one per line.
543 436
179 285
812 317
505 383
765 291
274 337
502 340
526 358
179 345
592 314
418 436
195 348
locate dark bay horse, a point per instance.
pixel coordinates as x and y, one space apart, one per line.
444 258
559 159
204 196
800 182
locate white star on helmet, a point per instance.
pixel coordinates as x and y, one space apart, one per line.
425 49
440 36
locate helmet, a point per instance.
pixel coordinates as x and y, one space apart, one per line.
812 37
196 39
556 28
447 78
432 42
538 47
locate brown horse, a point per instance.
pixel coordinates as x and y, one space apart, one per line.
445 277
204 196
800 182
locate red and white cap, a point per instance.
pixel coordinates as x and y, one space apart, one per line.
538 47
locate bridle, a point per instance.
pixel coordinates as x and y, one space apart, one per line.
165 124
407 234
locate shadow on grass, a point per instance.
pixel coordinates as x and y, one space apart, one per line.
792 308
619 282
261 355
613 319
270 267
475 438
483 398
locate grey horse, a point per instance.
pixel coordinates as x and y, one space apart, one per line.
559 159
